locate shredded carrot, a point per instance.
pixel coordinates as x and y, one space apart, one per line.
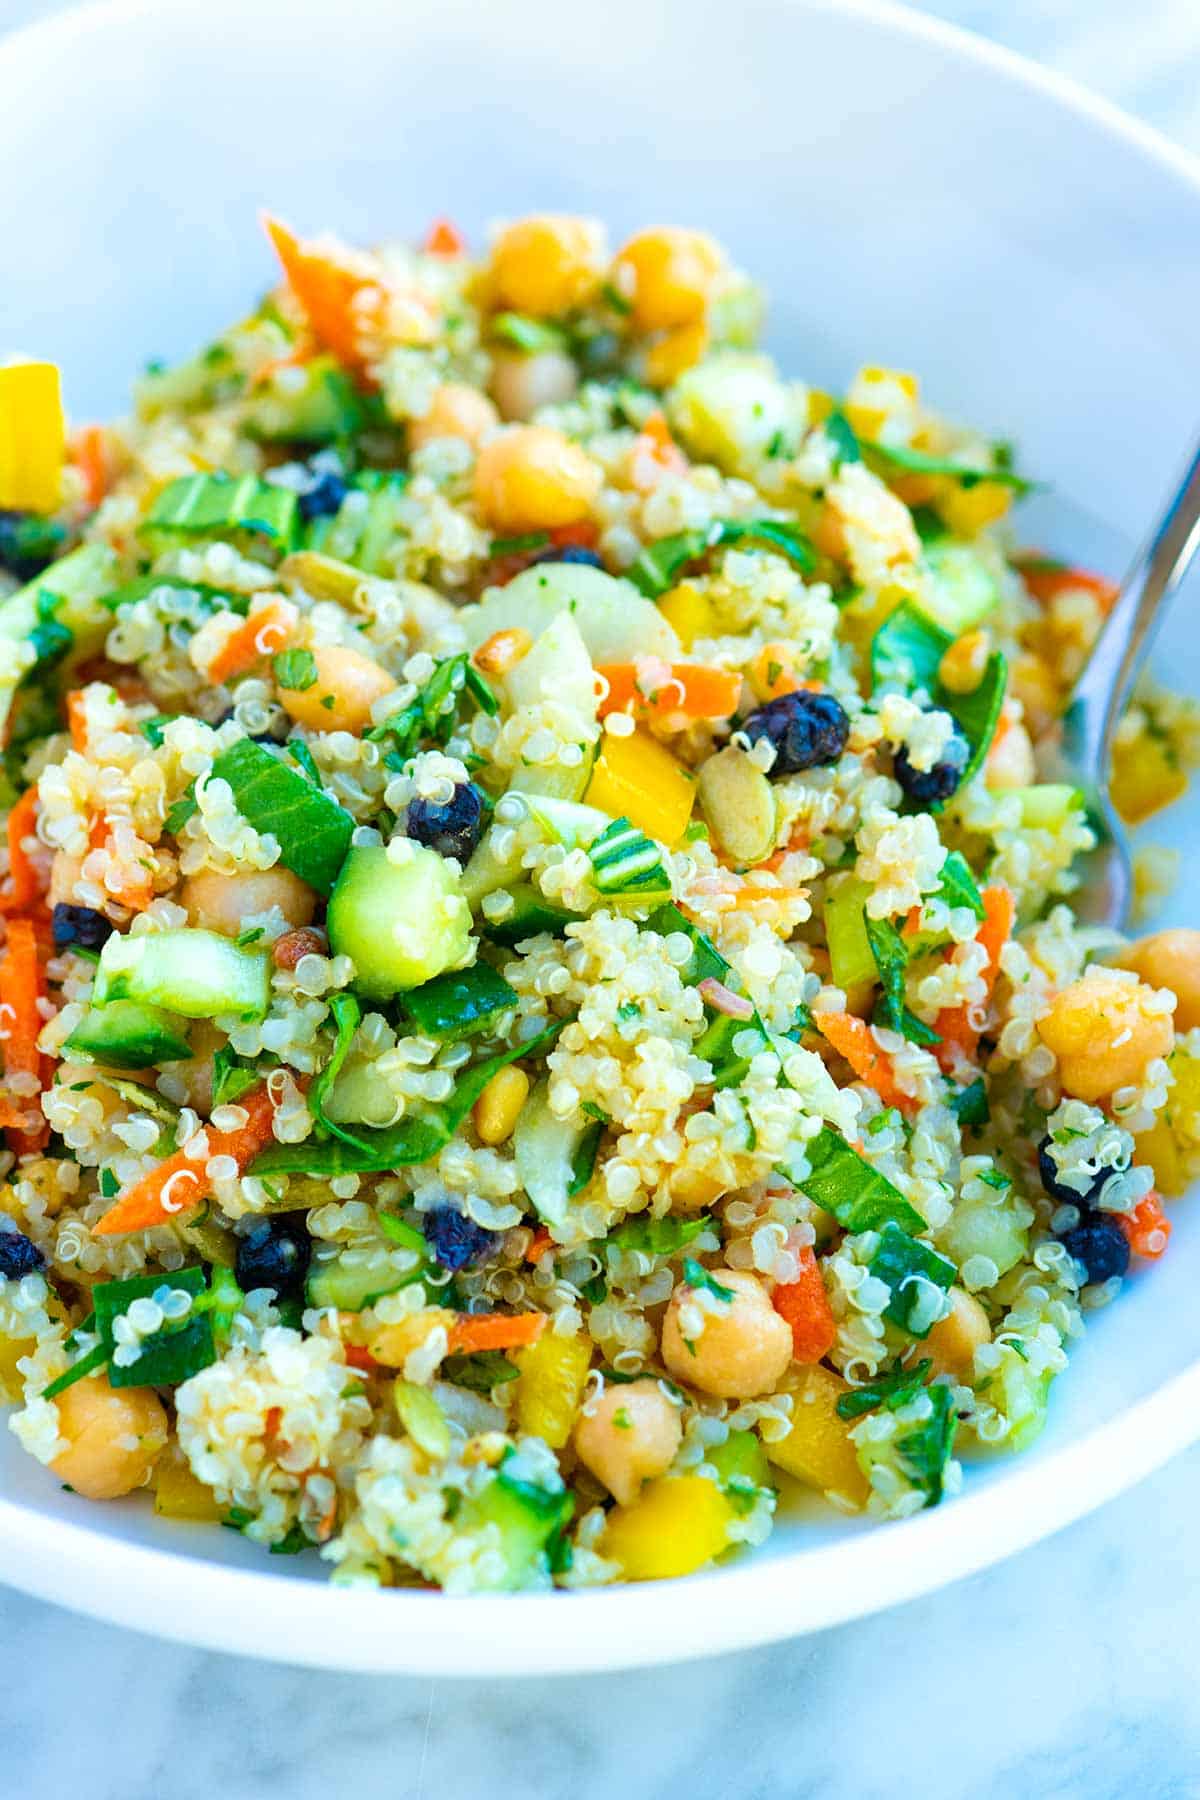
691 688
90 450
77 719
539 1243
654 453
24 885
21 987
334 287
804 1304
1046 580
495 1331
263 633
443 239
359 1357
180 1183
853 1038
953 1026
912 923
1147 1227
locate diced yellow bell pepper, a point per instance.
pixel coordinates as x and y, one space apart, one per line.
11 1351
1158 1148
1168 1147
819 1449
550 1386
1145 778
690 612
675 352
637 779
32 437
966 510
675 1526
820 405
179 1495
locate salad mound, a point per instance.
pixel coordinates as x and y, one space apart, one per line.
540 1003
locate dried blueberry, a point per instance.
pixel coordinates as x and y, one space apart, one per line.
454 1239
806 729
570 553
274 1254
453 829
1058 1189
323 496
18 1256
1100 1245
79 927
930 786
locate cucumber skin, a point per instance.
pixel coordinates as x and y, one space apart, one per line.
130 1036
373 894
197 973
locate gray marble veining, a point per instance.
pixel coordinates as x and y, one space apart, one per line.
1070 1671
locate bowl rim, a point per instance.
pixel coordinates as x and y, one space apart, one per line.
191 1600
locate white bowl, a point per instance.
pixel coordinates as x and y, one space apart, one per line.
912 197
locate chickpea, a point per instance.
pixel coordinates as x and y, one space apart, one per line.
668 274
224 902
547 264
532 478
340 699
114 1437
1010 761
520 384
629 1436
953 1341
457 411
1170 959
744 1347
1104 1029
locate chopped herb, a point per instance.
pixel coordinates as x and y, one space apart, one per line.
891 959
185 808
843 437
891 1390
231 1077
845 1184
896 459
295 669
657 1237
513 546
970 1104
926 1451
250 935
698 1277
481 1372
912 1271
530 336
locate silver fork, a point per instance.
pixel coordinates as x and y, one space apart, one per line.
1102 692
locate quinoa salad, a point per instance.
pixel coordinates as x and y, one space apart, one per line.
539 998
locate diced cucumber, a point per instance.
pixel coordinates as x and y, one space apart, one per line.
741 1462
729 408
313 832
545 1149
60 612
357 1277
359 533
961 590
456 1004
361 1096
567 822
197 973
557 667
985 1228
1048 805
530 915
319 409
528 1507
616 623
851 961
400 922
130 1036
219 505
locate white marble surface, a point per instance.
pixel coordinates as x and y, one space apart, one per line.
1068 1672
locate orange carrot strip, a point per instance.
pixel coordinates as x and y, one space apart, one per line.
953 1025
852 1038
328 281
693 688
360 1358
263 633
496 1331
1147 1227
77 719
91 459
21 987
539 1243
179 1184
443 239
1046 582
23 885
804 1304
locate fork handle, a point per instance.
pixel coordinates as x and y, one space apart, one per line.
1103 689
